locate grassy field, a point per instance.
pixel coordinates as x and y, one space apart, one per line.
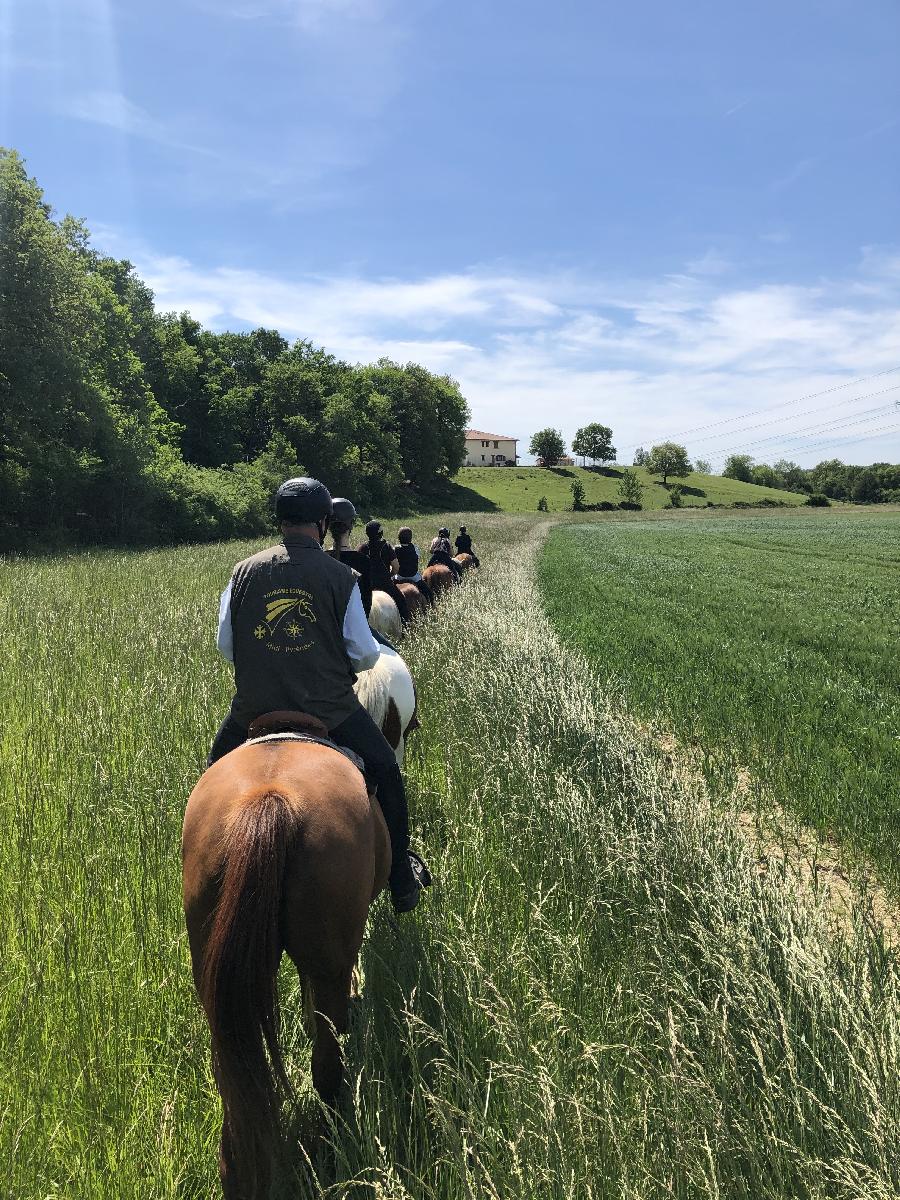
602 999
769 641
518 489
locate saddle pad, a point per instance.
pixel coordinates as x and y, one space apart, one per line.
317 741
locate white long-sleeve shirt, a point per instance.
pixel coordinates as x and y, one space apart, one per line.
362 649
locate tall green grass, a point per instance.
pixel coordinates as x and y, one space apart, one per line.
769 642
600 997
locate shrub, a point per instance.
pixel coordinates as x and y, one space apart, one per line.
630 505
542 504
630 488
818 500
676 499
578 494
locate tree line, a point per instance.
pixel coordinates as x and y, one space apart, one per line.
878 483
121 423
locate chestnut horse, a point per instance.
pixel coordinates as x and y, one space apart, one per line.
466 561
283 849
439 578
415 601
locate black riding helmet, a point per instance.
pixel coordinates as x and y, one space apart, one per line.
344 511
443 532
303 501
373 530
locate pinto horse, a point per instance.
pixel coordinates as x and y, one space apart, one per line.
283 849
439 578
384 616
388 695
465 560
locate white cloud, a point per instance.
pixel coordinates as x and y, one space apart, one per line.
651 358
114 110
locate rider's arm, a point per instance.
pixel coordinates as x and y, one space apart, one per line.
225 636
362 649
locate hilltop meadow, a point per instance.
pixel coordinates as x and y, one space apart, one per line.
612 990
518 489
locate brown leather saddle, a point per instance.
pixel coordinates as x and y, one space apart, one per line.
290 725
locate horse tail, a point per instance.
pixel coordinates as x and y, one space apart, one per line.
238 986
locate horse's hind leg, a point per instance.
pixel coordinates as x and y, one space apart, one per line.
330 999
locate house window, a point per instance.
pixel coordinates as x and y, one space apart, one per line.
482 458
496 445
500 457
484 445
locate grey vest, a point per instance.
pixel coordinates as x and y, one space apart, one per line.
288 605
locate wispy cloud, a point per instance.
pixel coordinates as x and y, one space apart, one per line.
115 111
648 357
797 171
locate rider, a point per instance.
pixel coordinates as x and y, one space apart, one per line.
441 554
292 622
464 545
382 565
407 555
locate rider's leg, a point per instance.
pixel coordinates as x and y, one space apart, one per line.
425 590
397 596
360 733
229 737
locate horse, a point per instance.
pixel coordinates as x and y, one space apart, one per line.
415 601
388 695
384 616
465 560
439 578
283 849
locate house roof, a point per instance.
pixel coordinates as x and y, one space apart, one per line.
495 437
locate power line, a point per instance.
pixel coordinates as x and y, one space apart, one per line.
791 435
824 445
794 416
819 446
786 403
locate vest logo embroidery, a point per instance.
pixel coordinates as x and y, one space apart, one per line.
285 635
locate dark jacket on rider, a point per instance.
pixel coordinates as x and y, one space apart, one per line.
288 606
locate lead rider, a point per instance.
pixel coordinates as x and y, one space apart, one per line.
291 620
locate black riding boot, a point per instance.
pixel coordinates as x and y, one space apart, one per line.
361 734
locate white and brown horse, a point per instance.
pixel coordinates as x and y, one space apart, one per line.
388 695
384 616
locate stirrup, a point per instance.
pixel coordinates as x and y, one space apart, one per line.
419 870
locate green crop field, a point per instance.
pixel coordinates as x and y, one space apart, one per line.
518 489
601 997
771 642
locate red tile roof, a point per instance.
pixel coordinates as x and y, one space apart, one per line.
493 437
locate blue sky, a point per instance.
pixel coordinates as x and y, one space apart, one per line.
657 216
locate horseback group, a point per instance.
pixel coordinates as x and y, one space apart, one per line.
395 569
301 817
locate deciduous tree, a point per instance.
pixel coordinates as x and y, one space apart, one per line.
548 446
668 458
594 441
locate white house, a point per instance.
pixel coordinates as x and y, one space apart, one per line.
489 449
